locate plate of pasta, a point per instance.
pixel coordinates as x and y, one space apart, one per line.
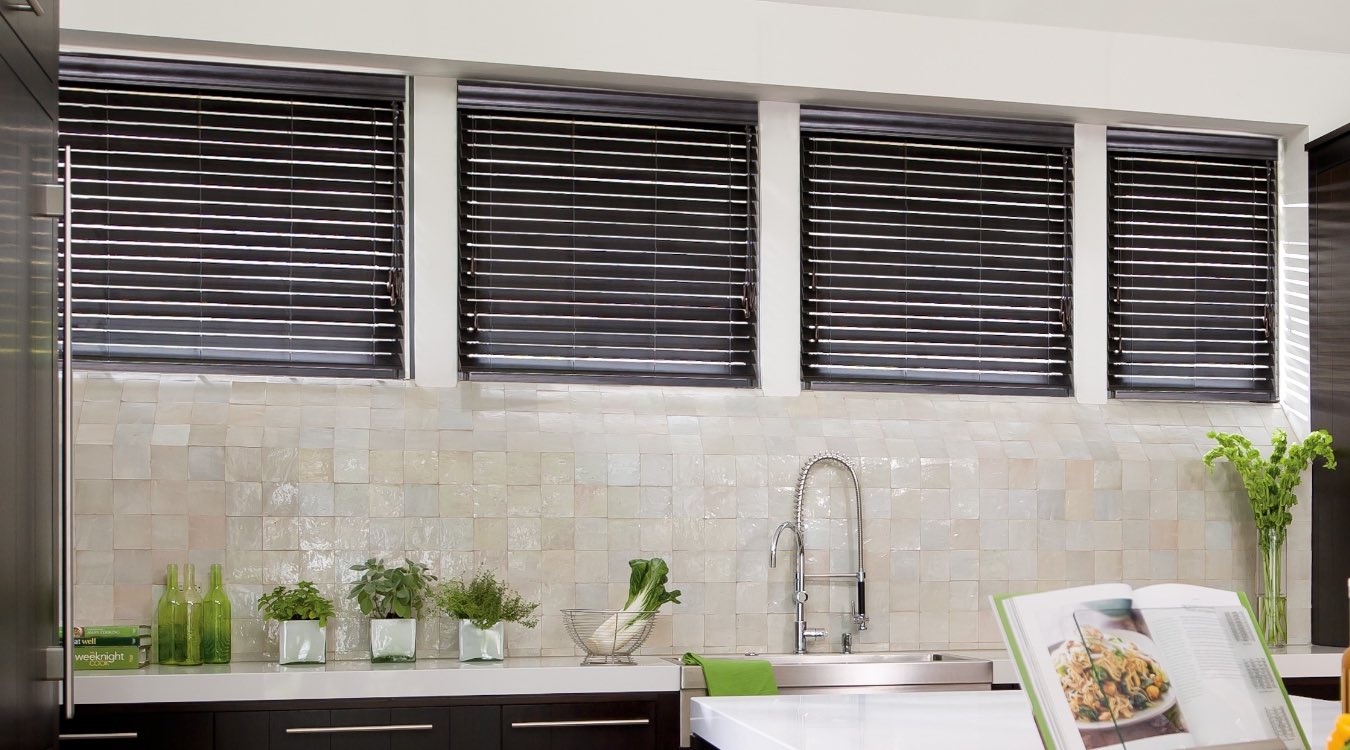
1111 679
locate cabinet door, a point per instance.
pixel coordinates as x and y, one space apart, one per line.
361 729
152 731
391 729
28 701
38 33
476 727
299 730
630 725
242 729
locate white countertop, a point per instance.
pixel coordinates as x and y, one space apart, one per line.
253 681
1293 662
894 721
245 681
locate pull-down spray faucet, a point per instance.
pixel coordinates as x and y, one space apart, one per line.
799 577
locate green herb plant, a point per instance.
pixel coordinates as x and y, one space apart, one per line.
385 593
1270 483
485 601
301 602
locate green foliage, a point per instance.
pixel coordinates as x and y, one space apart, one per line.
303 602
391 593
485 601
647 588
1270 482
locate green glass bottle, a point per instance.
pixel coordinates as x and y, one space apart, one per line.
216 622
187 645
166 618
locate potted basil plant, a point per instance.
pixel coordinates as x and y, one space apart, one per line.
392 598
303 613
483 605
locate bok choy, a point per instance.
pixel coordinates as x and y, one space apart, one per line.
646 593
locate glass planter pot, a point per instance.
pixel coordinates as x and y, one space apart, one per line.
393 641
302 642
482 644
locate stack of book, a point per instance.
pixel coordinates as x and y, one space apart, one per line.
112 646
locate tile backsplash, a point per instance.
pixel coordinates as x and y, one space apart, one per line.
559 486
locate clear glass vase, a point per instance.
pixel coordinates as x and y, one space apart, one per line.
1272 612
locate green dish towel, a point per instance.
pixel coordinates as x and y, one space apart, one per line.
735 676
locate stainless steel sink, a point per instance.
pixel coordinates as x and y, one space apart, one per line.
895 672
906 670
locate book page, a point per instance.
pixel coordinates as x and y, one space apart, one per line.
1221 675
1183 595
1043 623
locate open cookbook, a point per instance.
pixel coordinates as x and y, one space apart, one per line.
1162 667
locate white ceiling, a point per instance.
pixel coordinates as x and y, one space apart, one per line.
1322 25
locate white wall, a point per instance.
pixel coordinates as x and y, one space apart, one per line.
761 49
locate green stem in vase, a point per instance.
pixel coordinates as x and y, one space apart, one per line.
1272 610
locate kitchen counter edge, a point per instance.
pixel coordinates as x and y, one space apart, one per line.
249 681
337 680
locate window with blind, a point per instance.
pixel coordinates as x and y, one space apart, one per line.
1192 266
935 253
231 218
606 236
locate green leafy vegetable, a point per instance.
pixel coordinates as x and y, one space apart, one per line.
485 601
303 602
647 588
1270 482
646 593
390 593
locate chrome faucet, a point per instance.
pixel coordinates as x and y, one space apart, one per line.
799 576
799 584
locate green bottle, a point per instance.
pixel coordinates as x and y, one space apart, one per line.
187 644
216 622
166 618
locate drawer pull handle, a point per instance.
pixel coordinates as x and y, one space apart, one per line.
28 6
99 736
585 723
370 728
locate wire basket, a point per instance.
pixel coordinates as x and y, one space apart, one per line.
602 634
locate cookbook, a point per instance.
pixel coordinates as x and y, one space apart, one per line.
1159 668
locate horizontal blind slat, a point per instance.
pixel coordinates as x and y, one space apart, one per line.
601 246
1191 272
937 265
258 231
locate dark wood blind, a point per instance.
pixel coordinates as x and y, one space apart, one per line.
606 236
1192 266
235 218
935 252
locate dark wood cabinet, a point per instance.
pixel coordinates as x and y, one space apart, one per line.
1329 345
169 731
360 729
646 721
579 726
39 32
28 463
476 726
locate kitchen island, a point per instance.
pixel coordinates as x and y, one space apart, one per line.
900 721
